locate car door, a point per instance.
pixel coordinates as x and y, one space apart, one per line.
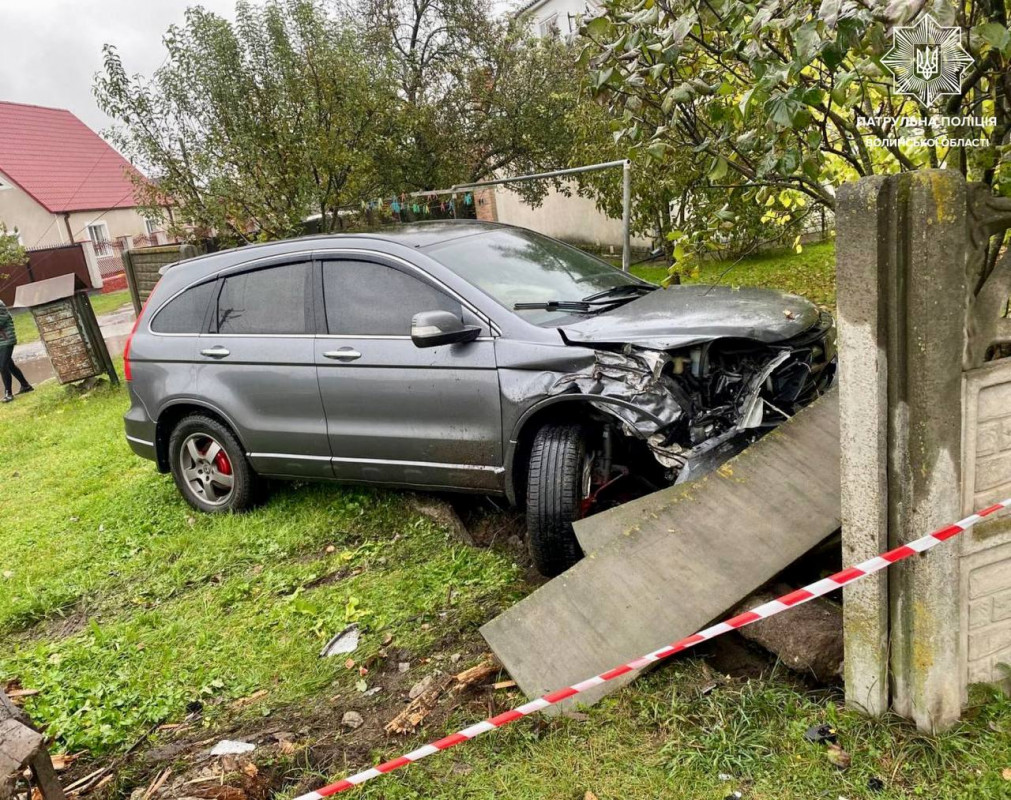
397 413
257 364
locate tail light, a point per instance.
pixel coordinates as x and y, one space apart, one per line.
127 371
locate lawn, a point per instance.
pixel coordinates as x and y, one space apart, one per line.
24 324
126 611
810 273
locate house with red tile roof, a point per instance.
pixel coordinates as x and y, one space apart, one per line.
60 183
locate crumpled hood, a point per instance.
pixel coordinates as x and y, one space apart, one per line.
684 315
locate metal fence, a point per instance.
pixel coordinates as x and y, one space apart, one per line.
44 263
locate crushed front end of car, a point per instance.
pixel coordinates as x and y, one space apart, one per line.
696 405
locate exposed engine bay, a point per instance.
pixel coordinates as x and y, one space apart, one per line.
697 406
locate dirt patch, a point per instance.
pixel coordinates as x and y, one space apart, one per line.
72 621
312 738
441 511
481 521
308 739
489 521
59 625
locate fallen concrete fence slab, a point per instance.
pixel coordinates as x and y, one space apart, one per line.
663 566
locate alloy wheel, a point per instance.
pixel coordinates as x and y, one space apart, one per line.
207 469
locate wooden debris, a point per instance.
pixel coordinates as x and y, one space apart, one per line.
157 783
479 674
92 777
419 708
22 746
247 701
18 695
218 792
425 702
62 761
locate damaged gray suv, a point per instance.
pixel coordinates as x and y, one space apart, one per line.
458 356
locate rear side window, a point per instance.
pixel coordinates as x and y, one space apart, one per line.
366 299
273 300
185 314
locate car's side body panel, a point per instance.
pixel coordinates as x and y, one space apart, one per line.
269 386
401 414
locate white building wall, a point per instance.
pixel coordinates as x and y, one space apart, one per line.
573 219
18 209
119 222
562 13
40 228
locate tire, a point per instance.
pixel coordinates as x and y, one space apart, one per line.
209 466
555 492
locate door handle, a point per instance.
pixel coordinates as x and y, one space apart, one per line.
344 354
214 352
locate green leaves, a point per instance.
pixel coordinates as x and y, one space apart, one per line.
788 110
602 77
597 27
719 169
681 93
12 253
996 35
807 42
299 108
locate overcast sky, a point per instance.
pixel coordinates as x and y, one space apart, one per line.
51 49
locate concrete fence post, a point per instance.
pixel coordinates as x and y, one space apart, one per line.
863 242
92 261
902 309
926 345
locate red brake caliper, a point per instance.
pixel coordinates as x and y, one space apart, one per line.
222 463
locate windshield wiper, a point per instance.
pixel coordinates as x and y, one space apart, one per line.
574 306
622 289
600 301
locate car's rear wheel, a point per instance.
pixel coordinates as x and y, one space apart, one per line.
209 466
558 488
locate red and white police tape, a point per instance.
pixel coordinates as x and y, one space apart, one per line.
773 607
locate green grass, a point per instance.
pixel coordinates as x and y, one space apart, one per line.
810 274
24 323
171 606
124 607
671 738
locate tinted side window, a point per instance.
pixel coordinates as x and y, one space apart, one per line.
272 300
365 299
185 314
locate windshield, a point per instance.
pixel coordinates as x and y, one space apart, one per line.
518 266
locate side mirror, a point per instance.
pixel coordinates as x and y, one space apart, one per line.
434 328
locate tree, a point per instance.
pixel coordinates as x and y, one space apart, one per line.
512 106
769 96
251 127
673 200
425 38
12 252
483 96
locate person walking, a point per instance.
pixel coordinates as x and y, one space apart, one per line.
8 369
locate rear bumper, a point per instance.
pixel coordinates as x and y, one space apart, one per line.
140 430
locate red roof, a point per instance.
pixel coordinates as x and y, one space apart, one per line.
60 161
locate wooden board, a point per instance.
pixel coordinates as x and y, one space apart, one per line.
664 566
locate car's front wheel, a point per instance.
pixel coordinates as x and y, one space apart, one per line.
558 485
209 466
